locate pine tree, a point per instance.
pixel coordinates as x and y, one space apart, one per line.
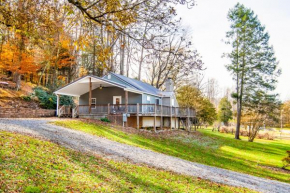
253 62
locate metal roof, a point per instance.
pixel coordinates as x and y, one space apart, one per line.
81 86
136 84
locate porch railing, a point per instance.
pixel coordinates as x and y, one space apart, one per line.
144 109
64 110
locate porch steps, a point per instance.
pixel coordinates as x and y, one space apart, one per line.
66 116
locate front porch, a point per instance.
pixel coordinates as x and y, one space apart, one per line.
137 113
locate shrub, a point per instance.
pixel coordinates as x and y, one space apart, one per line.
244 133
105 120
32 189
48 100
26 98
268 136
286 160
225 129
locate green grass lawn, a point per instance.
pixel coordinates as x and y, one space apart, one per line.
32 165
207 147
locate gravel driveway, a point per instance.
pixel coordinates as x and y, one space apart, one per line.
88 143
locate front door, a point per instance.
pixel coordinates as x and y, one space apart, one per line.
117 100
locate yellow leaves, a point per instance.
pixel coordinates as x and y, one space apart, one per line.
103 53
82 71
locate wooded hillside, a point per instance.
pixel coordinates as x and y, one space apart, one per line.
51 43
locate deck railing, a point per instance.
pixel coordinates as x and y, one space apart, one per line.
144 109
64 110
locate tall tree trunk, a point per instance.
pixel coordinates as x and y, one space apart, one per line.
128 58
142 52
17 80
122 53
94 53
239 110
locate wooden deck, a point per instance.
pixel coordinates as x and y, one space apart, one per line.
136 109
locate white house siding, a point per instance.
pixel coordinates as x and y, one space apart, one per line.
149 122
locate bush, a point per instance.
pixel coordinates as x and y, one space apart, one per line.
244 133
26 98
286 160
105 120
225 129
268 136
48 100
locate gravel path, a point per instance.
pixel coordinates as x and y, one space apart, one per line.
87 143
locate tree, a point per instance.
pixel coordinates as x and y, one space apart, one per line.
189 96
253 63
175 59
207 114
225 111
260 109
285 114
17 61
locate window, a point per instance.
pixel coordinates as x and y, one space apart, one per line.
109 76
172 102
93 103
157 102
148 98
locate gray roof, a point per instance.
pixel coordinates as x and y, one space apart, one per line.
167 93
139 85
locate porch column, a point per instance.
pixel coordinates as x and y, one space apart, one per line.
57 105
170 117
126 106
138 116
90 96
161 117
175 113
188 121
155 118
109 109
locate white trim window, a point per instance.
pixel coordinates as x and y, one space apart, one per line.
172 102
94 103
148 98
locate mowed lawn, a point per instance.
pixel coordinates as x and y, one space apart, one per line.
260 158
32 165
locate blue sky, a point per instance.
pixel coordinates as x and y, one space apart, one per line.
208 24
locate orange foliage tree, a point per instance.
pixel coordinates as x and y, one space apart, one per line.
17 61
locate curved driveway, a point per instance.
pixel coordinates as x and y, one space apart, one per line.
88 143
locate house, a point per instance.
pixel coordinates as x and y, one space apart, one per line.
125 100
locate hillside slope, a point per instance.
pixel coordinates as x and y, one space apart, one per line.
12 98
33 165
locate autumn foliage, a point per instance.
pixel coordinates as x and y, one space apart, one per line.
12 59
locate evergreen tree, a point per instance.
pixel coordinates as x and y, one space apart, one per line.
253 63
225 111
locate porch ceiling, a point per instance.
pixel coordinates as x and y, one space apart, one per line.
82 86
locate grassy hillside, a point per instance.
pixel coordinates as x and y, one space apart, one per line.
261 158
32 165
